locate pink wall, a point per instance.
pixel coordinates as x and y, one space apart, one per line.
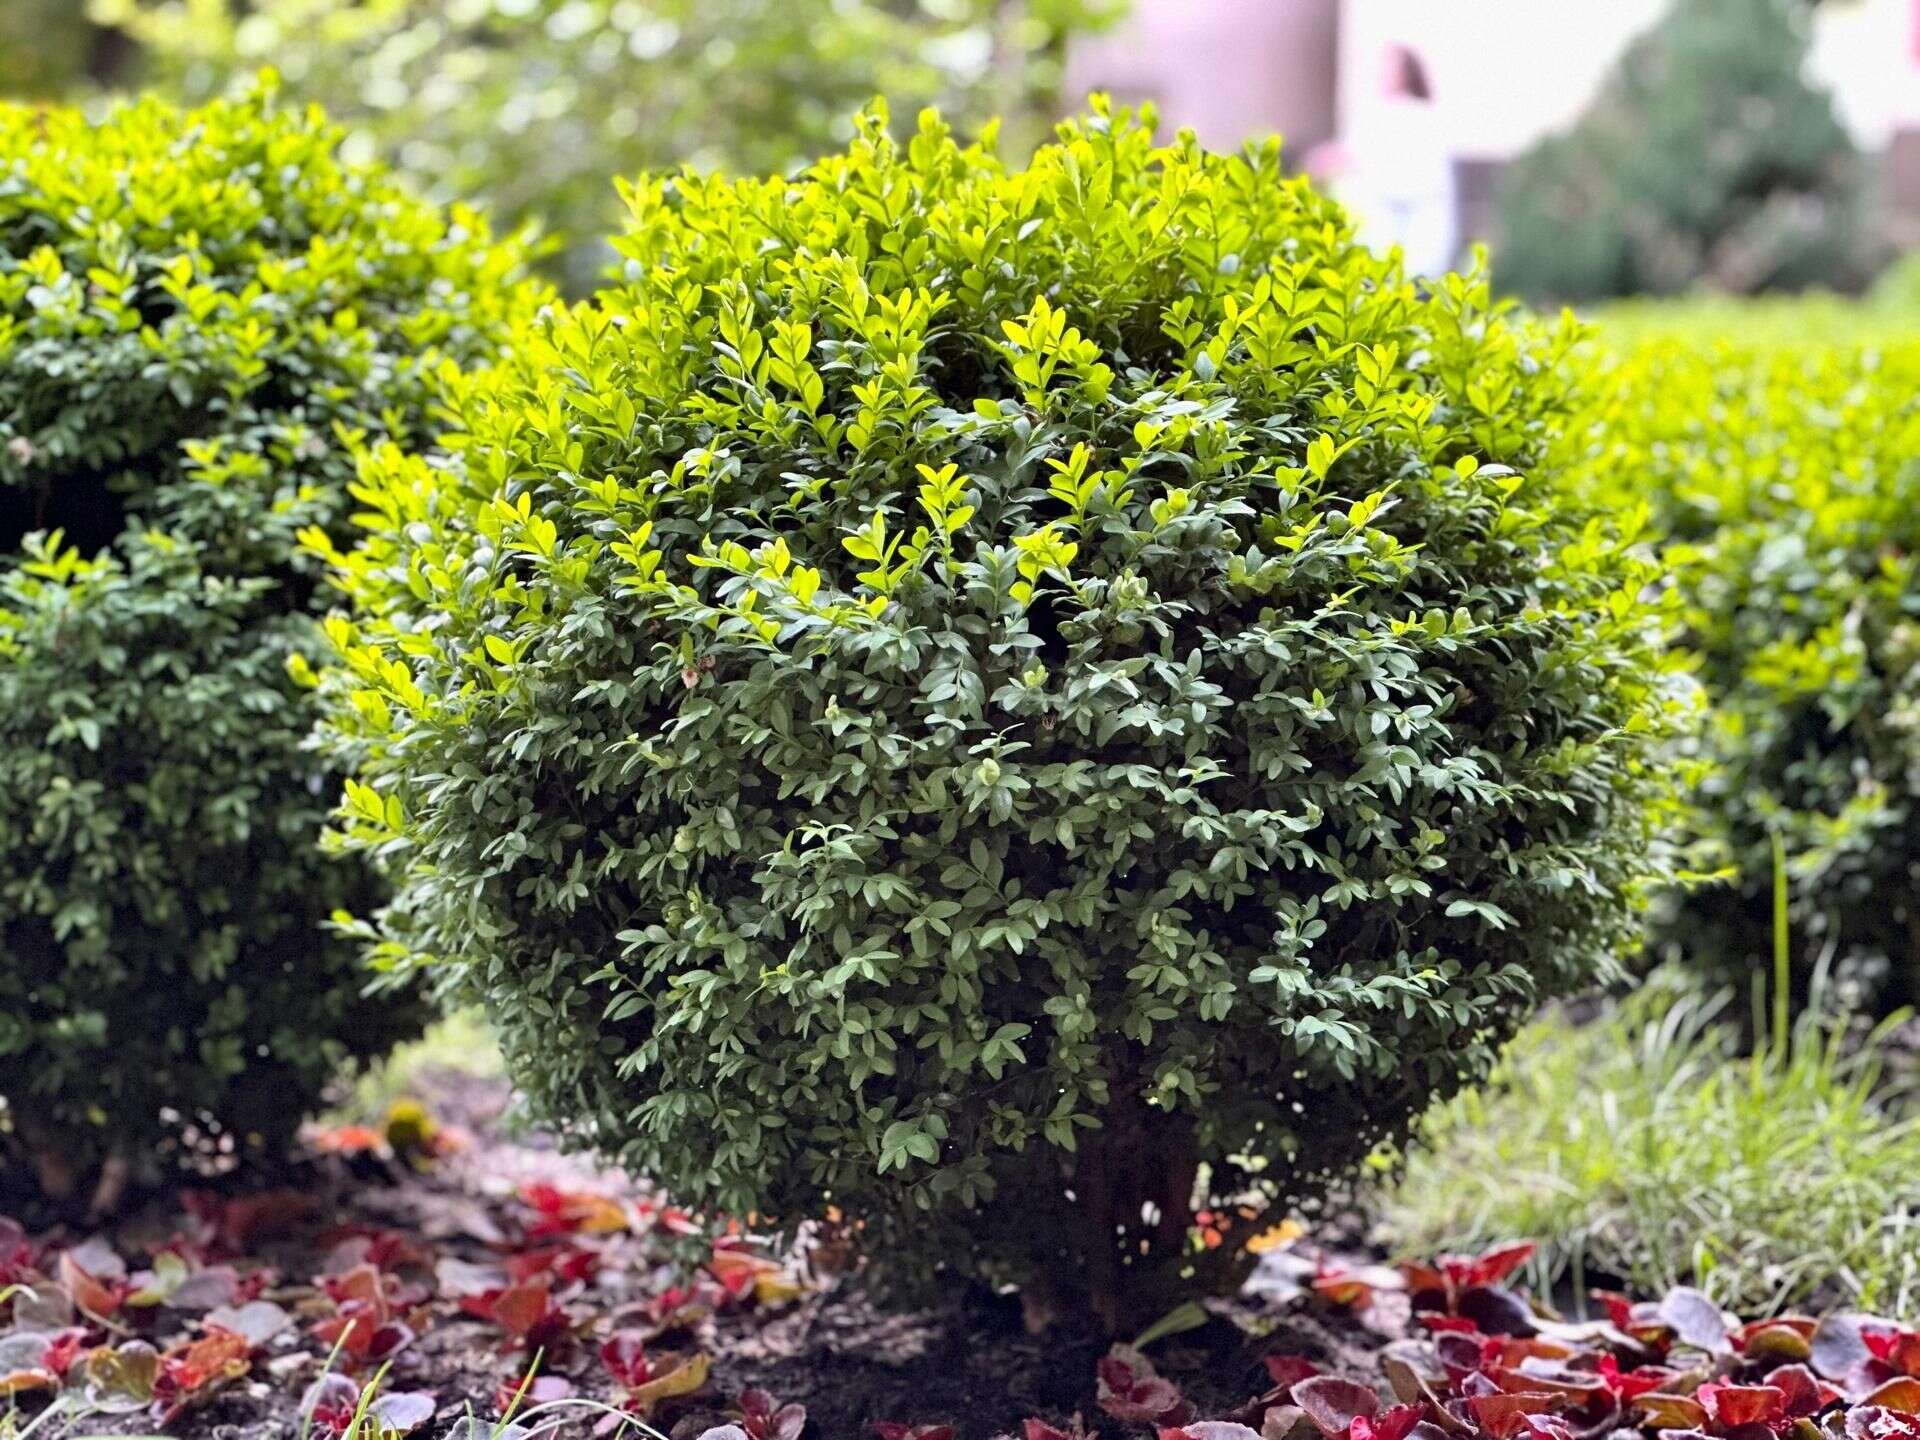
1229 69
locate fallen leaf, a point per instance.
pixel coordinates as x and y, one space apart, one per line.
119 1379
1696 1320
1901 1395
258 1321
1333 1403
673 1377
92 1296
402 1411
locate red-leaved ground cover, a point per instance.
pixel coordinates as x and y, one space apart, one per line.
460 1294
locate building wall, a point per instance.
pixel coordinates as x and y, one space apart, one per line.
1868 53
1504 72
1229 69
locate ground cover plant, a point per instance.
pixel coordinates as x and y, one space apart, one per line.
1779 467
482 1286
995 705
199 311
1643 1146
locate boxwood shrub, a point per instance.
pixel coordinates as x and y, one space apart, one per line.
1782 474
1003 704
198 312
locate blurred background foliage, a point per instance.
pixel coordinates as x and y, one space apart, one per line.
531 106
1708 158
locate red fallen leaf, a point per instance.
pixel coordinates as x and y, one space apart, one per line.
652 1214
624 1354
674 1303
764 1418
648 1379
1501 1415
739 1274
1901 1395
1731 1405
1440 1285
571 1263
1628 1384
894 1430
65 1347
1460 1355
366 1326
1894 1346
1333 1404
362 1340
526 1312
1290 1369
570 1212
1806 1393
93 1296
1619 1307
1131 1390
1438 1324
1490 1266
1575 1387
1393 1423
189 1370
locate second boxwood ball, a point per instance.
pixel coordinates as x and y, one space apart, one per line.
201 312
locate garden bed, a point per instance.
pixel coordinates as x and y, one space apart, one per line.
459 1270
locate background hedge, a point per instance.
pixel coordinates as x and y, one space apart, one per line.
1780 464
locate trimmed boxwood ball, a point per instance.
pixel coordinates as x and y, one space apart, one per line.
199 312
1002 704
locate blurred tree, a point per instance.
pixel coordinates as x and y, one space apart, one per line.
535 105
1707 158
50 47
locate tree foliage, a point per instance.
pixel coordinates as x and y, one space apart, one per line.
535 105
198 311
1004 701
1707 158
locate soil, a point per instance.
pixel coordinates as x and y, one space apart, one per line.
847 1358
